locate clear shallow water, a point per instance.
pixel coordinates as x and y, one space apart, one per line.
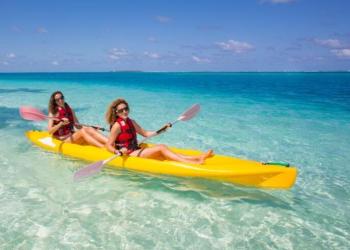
301 118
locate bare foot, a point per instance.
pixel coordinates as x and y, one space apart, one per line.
206 155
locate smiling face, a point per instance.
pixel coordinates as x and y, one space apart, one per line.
59 99
122 110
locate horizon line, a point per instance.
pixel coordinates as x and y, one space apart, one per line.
141 71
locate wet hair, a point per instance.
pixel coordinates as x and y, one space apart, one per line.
111 115
53 107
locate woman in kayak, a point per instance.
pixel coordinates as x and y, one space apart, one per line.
63 129
122 139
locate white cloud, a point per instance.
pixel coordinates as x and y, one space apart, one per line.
5 63
330 43
116 54
56 63
41 30
152 55
11 56
342 53
235 46
163 19
200 60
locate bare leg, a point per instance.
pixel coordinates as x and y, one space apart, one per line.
163 150
196 157
78 138
96 135
80 135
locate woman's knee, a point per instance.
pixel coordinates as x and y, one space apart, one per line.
76 137
90 129
162 147
83 132
84 129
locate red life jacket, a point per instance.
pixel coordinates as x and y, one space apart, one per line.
127 137
64 113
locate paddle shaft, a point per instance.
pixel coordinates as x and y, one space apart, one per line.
159 131
33 114
85 125
97 166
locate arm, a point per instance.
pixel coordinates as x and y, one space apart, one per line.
76 122
53 128
111 138
141 131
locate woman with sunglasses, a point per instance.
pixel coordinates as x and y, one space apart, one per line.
122 139
63 127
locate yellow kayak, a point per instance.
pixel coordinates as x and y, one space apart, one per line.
218 167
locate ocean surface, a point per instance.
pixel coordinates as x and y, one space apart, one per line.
300 118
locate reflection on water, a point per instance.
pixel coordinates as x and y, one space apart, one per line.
24 90
201 189
11 116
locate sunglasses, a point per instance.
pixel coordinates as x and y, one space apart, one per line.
126 109
59 98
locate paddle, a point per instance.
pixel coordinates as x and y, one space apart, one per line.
96 167
33 114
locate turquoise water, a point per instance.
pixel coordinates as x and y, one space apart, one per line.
301 118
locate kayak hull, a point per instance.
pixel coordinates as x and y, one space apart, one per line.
218 167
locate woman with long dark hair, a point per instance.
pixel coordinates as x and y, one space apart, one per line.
66 127
122 138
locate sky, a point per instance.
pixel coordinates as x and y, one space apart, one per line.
177 35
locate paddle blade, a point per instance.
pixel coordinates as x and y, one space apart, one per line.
190 113
31 114
89 170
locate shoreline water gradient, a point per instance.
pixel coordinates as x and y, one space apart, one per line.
300 118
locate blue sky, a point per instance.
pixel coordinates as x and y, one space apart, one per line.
159 35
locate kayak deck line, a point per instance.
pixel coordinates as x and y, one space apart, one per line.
218 167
